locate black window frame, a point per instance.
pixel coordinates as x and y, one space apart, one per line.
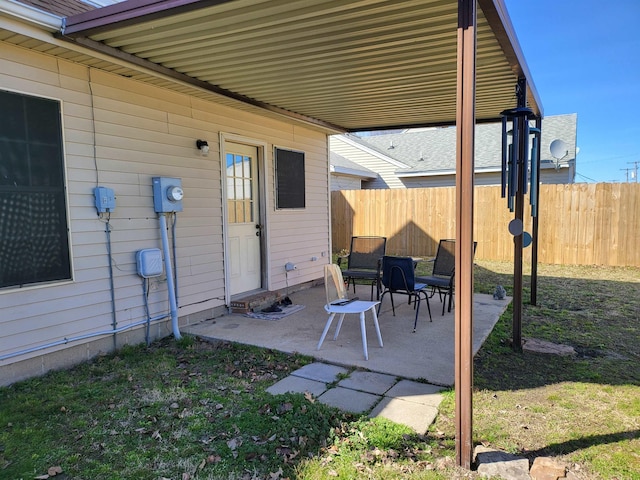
34 225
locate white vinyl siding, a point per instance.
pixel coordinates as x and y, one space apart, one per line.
143 131
345 182
547 176
298 235
385 170
431 181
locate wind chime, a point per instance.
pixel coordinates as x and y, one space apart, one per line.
517 158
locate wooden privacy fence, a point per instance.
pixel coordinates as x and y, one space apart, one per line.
579 224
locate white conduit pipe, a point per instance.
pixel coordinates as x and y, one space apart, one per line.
169 270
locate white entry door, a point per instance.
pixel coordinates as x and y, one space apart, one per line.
243 213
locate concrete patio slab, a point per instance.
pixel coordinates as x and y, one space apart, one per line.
349 400
427 354
293 384
415 415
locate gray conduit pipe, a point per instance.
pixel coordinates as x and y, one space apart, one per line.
175 262
114 322
169 270
172 303
82 337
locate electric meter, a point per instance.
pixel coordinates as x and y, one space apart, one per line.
167 194
175 193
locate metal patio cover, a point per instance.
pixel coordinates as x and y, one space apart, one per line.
346 65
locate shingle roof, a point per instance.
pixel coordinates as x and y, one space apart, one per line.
434 149
62 8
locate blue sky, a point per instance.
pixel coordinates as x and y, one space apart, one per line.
584 57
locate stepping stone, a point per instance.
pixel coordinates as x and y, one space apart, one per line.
320 372
495 463
297 385
416 392
370 382
349 400
546 467
414 415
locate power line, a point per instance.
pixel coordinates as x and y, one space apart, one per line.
626 171
634 170
606 159
584 176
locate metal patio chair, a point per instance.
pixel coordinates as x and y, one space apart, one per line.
443 274
398 276
364 261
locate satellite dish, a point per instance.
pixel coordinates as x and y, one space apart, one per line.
559 149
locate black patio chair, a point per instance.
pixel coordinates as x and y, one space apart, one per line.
364 261
398 276
443 274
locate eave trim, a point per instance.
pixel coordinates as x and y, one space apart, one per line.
496 14
128 13
352 172
32 15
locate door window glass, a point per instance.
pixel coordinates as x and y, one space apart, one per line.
239 188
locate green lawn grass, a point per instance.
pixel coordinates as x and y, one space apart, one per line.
197 410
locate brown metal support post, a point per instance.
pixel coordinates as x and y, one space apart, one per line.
465 133
534 233
519 215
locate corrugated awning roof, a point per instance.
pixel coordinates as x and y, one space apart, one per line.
346 64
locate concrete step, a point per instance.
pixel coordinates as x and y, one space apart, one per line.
254 302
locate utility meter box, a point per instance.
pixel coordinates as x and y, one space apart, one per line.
167 194
149 262
105 199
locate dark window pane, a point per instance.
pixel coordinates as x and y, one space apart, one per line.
290 179
12 108
44 159
34 244
14 167
43 120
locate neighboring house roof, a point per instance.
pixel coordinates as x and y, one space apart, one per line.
341 165
363 145
432 151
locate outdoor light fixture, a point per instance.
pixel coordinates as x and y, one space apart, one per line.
203 146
